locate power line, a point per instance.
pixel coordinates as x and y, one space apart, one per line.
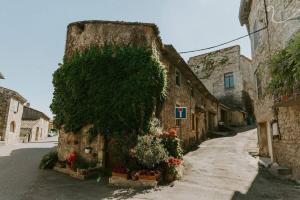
222 44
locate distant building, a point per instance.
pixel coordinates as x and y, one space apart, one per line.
11 111
228 75
34 126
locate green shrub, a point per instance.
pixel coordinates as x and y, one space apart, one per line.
285 69
150 152
116 88
49 160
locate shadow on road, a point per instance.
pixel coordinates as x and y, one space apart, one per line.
267 187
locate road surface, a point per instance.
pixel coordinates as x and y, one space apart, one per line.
220 169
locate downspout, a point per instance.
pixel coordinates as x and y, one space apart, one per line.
269 128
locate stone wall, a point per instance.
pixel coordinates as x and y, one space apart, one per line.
81 35
287 148
69 142
182 96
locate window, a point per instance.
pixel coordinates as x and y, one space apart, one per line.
193 121
228 80
15 106
178 78
256 36
12 127
258 86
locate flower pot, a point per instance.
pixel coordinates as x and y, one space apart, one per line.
121 175
148 177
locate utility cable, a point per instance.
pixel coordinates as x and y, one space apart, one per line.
222 44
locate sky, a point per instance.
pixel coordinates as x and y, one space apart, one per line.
33 33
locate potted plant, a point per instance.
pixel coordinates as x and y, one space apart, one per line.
88 150
172 169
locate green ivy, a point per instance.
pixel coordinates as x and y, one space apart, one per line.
115 88
285 69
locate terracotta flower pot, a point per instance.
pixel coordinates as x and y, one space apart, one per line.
119 175
148 177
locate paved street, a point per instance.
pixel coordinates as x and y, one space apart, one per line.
220 169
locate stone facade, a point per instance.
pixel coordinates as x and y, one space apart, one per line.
228 75
279 21
202 106
11 110
34 126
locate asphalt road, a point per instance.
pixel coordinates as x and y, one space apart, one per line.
219 169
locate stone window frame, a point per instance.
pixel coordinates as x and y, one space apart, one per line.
230 76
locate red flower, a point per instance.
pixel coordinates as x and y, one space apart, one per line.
174 161
72 157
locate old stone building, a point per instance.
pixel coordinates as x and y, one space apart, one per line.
276 23
228 75
34 126
184 89
11 110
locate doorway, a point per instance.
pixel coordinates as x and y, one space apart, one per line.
37 134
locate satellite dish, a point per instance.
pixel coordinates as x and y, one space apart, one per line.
1 76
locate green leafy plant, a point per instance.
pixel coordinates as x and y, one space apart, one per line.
49 160
116 88
172 143
285 69
150 151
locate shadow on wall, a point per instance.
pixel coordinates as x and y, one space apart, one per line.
266 187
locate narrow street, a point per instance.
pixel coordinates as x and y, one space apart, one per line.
220 169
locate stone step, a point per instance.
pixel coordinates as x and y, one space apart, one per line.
284 171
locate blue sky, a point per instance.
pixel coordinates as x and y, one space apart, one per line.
33 33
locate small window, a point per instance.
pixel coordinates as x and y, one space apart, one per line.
178 78
12 127
229 80
16 106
